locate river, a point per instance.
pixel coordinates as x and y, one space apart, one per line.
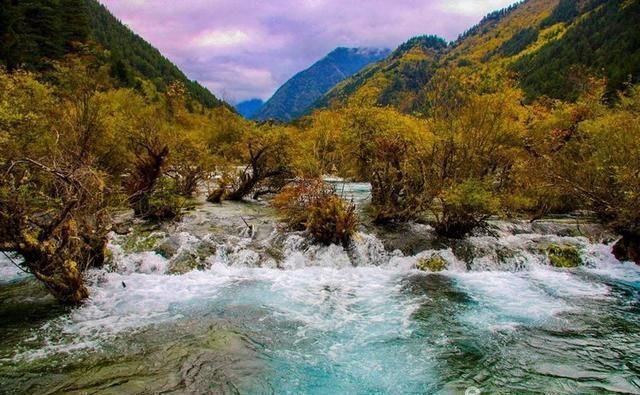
265 311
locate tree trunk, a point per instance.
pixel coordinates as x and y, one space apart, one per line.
66 283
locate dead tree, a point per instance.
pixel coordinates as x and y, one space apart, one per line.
145 174
264 164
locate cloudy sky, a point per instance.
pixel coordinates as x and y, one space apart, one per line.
242 49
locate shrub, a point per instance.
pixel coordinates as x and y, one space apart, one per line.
164 202
313 206
57 221
465 207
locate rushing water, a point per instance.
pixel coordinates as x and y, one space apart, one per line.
269 313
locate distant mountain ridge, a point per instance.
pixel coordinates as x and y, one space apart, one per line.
297 95
249 108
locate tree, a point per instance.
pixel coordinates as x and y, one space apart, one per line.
53 208
267 161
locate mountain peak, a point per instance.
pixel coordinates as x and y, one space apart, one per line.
297 95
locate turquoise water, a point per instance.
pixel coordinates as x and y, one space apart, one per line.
315 324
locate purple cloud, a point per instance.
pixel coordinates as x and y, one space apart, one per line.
243 49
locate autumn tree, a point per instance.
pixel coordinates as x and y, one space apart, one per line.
53 207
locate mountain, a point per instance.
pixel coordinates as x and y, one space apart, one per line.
249 108
390 81
546 45
296 96
34 32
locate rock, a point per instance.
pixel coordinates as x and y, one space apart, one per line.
142 238
184 263
189 260
434 263
504 254
564 256
168 248
628 249
205 250
123 223
465 251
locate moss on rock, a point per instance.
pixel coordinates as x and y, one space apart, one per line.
434 263
564 256
142 239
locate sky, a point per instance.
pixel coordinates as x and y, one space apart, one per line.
242 49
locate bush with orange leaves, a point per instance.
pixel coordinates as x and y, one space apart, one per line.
313 206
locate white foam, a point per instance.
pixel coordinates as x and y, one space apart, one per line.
506 300
330 289
9 272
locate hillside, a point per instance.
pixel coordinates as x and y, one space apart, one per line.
395 80
296 96
34 32
546 45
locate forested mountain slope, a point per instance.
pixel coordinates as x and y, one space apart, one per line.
393 80
34 32
547 46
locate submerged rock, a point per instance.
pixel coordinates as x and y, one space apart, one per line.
189 260
564 256
184 263
168 248
434 263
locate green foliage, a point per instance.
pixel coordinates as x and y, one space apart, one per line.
384 150
76 149
394 81
428 42
33 31
604 42
600 163
465 206
565 12
587 156
267 162
516 44
489 20
133 57
164 202
599 38
54 204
